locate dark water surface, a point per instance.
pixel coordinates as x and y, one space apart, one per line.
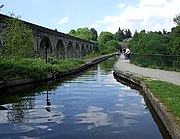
92 105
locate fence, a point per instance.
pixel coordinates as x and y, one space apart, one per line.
156 60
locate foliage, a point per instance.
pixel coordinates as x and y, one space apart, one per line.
175 40
72 32
104 37
84 33
94 34
167 62
107 43
17 39
112 46
93 54
177 19
123 34
35 68
150 43
169 95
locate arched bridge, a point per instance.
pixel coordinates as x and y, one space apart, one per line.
60 45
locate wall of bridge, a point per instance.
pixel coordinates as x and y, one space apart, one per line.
60 45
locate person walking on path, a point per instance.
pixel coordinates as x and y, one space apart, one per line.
127 53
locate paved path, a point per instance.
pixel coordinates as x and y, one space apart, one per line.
168 76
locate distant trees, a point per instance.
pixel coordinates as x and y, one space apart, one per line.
157 42
17 39
123 34
150 42
177 19
85 33
107 43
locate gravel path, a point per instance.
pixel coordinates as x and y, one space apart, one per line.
168 76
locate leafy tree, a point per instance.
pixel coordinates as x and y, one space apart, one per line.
150 43
107 42
175 36
112 46
120 36
84 33
128 34
94 34
104 37
17 39
72 32
177 19
175 40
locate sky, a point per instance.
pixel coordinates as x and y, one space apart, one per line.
103 15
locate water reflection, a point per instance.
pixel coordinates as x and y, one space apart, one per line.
94 117
90 105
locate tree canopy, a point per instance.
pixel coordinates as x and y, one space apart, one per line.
17 39
84 33
157 42
123 34
107 42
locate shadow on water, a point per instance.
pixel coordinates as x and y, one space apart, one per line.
156 118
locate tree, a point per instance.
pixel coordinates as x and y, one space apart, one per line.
72 32
128 34
175 40
112 46
120 36
84 33
105 37
150 43
104 42
177 19
17 39
94 34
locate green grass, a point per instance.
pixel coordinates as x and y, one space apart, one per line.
169 95
35 68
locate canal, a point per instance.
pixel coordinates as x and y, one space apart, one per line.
91 105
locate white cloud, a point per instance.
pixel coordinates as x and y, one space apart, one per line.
95 26
153 2
121 5
63 21
152 15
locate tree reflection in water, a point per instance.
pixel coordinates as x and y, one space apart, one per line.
16 111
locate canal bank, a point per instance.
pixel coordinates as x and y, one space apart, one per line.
136 75
89 63
91 105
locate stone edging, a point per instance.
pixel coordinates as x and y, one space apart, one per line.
6 84
160 109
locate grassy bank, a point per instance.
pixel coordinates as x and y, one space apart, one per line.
169 95
35 68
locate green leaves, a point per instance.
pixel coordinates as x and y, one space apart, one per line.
150 43
17 39
35 68
84 33
107 43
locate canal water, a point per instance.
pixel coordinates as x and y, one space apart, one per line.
91 105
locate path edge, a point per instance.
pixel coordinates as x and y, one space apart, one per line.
159 108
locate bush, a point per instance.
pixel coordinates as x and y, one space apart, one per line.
35 68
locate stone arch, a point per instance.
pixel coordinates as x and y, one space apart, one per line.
60 49
87 49
77 51
45 41
70 50
82 50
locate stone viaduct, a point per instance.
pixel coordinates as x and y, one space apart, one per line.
60 45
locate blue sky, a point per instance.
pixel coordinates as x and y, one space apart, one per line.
103 15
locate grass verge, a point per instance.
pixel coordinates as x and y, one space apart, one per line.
35 68
169 95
